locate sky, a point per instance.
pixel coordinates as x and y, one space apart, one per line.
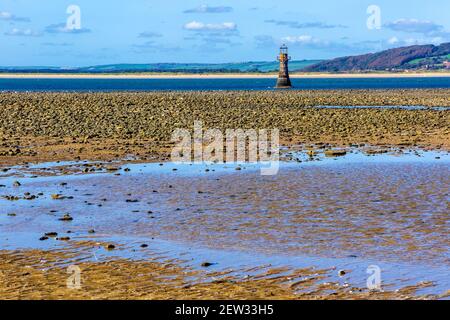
98 32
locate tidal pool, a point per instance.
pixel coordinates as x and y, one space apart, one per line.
347 213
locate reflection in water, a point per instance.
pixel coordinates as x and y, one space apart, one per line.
355 210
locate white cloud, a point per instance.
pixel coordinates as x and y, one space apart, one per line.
412 41
149 34
298 25
62 28
304 40
55 44
22 33
393 40
200 26
420 41
207 9
5 15
427 32
414 26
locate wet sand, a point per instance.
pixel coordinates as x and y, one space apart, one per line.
285 237
319 215
39 275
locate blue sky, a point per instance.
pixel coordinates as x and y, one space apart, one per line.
145 31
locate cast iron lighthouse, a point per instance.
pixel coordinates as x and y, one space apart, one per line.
283 77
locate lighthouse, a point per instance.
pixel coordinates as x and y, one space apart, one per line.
283 77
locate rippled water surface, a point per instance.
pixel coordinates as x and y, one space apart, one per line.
44 84
347 212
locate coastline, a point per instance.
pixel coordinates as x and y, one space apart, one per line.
221 75
101 132
111 131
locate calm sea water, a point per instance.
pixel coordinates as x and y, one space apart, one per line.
215 84
341 213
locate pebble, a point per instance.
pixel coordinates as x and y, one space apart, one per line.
51 234
206 264
335 153
66 217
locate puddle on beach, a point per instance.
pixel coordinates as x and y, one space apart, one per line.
334 213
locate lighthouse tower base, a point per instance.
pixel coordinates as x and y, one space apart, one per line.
284 83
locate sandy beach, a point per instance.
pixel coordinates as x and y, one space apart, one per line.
224 159
92 172
220 76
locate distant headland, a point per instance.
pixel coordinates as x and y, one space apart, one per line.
428 60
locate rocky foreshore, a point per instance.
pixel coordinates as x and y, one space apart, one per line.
40 127
56 126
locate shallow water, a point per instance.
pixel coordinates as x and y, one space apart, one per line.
43 84
390 210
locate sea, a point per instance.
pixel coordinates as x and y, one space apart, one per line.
109 84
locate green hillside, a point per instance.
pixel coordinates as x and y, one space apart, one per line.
244 67
199 67
417 57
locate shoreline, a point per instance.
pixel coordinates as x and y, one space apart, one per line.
141 124
102 132
28 276
223 76
166 275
